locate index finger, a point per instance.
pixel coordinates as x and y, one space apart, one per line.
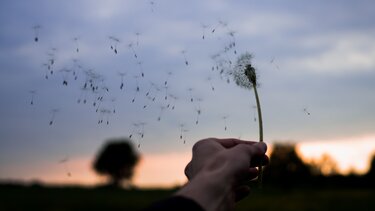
231 142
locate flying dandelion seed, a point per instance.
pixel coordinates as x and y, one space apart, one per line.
130 45
149 95
219 24
184 132
181 130
53 115
165 92
232 44
32 93
198 110
162 108
306 111
183 52
51 54
204 28
152 5
36 29
134 129
173 101
151 87
104 115
114 42
77 43
245 76
48 67
191 94
141 132
113 100
51 60
137 34
83 95
76 68
137 88
142 124
65 73
254 112
225 122
227 59
169 74
209 79
97 102
122 75
64 162
139 139
272 61
141 68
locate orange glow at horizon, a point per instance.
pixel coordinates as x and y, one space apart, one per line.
352 155
167 170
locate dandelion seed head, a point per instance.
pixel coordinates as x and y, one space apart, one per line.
244 73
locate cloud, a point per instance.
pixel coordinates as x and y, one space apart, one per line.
268 24
335 54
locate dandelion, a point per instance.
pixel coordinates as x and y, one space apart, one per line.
244 74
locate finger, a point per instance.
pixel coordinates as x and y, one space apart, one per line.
188 171
259 161
252 151
247 176
231 142
241 192
253 173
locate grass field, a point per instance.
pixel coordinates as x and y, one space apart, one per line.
76 198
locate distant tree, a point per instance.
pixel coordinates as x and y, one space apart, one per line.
286 168
116 160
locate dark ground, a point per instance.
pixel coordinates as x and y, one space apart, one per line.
35 197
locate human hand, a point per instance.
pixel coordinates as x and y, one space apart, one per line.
218 170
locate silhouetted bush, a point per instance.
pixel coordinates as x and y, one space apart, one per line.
286 168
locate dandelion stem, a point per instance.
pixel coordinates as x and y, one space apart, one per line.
260 176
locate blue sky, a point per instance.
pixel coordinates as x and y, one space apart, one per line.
316 55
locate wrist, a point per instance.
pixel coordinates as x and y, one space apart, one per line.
208 190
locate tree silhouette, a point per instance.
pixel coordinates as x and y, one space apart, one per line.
286 168
116 160
325 166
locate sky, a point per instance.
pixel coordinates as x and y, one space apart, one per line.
315 61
